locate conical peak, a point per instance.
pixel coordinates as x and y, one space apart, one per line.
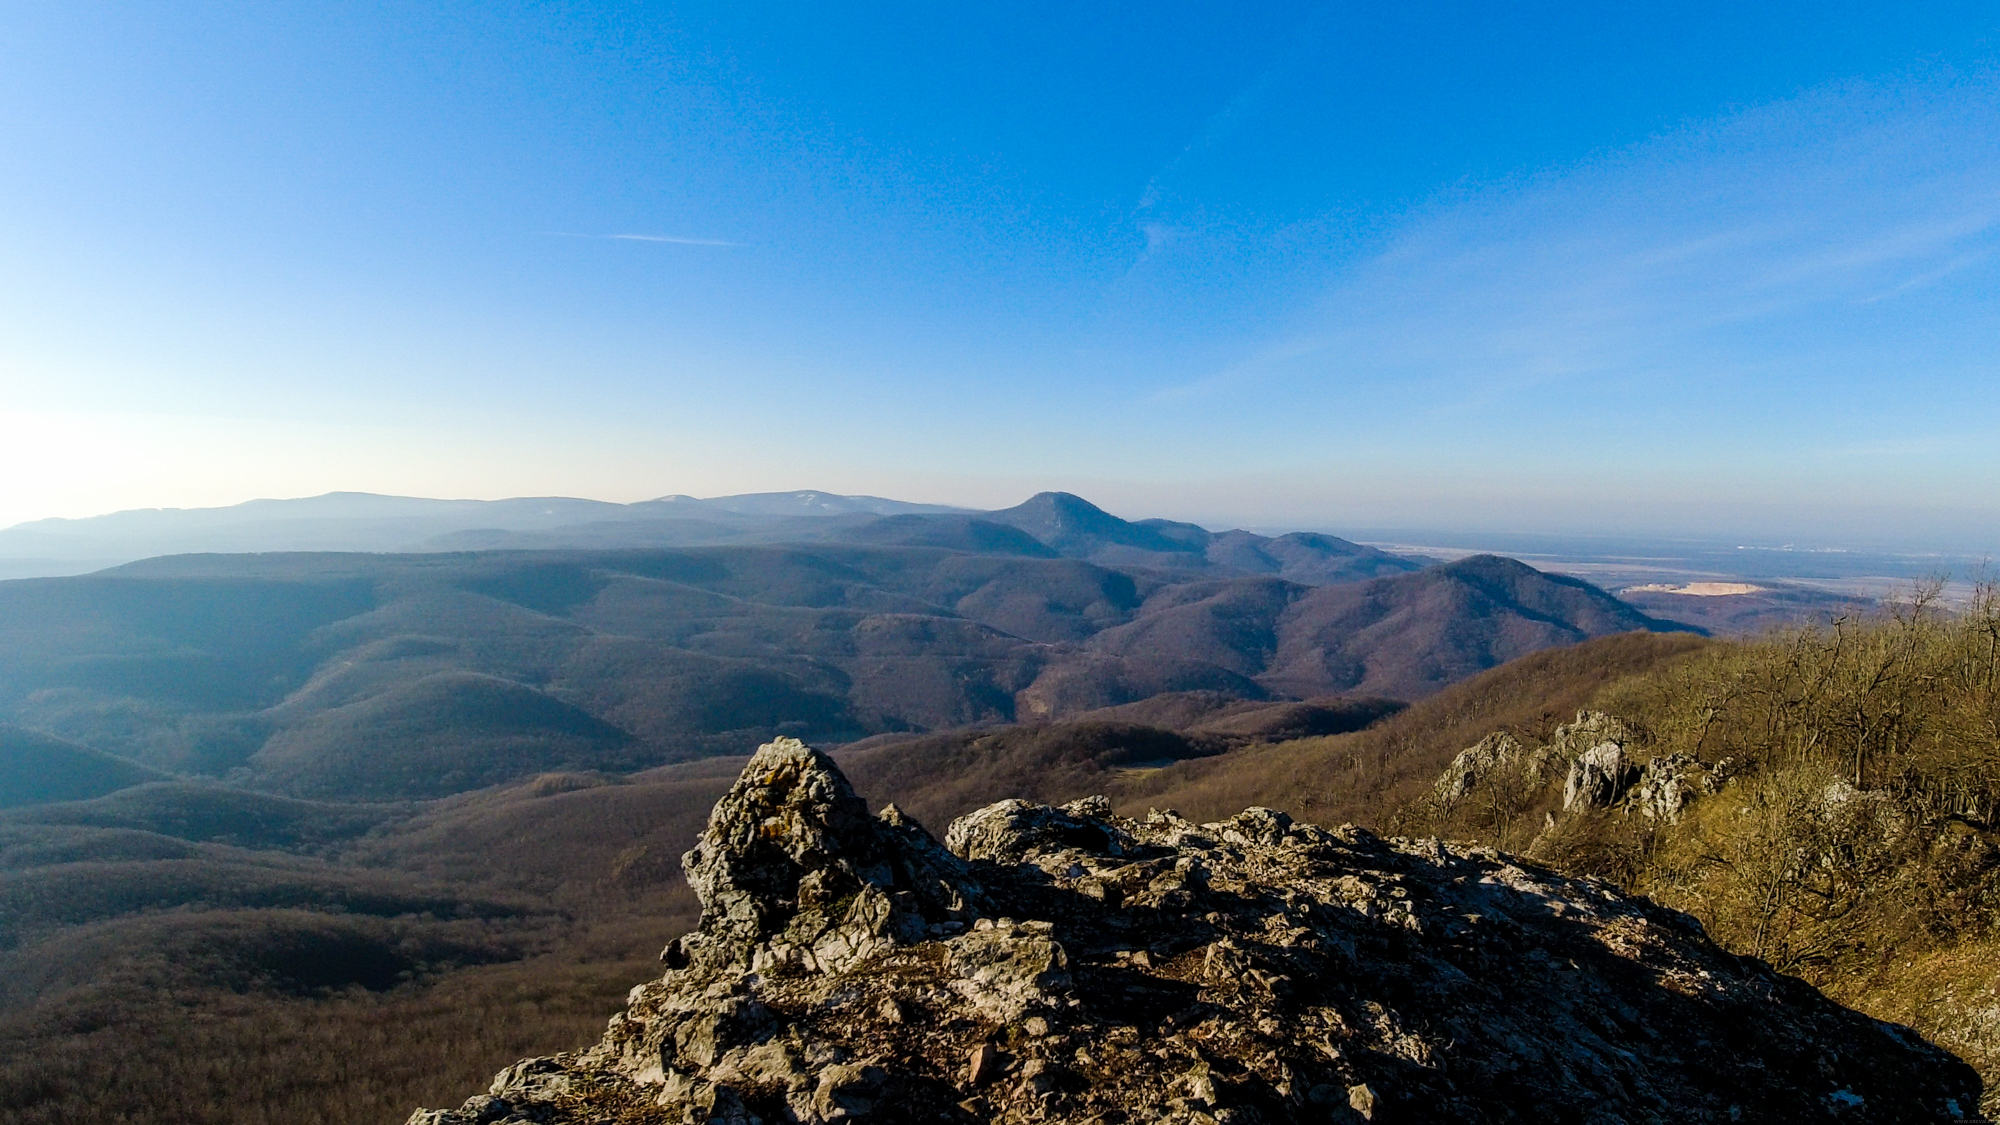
1062 512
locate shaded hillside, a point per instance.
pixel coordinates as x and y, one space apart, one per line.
957 533
1304 556
36 768
1077 528
206 812
1403 637
1243 720
1409 637
444 733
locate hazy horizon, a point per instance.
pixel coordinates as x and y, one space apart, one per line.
1496 536
1677 271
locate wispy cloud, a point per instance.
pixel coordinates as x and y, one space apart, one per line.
675 240
1768 250
669 238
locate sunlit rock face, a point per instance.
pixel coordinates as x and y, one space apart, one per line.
1065 964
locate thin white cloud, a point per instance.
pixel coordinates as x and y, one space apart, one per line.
668 238
676 241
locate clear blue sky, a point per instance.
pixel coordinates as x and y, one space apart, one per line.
1635 268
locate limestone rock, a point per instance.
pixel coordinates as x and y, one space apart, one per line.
793 871
1666 786
1598 778
1590 759
1069 965
1494 752
1589 729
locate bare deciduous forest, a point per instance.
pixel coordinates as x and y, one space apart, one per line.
1843 832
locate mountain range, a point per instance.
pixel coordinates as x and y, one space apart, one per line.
360 521
1051 524
384 676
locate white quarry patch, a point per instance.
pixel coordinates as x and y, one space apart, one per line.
1696 589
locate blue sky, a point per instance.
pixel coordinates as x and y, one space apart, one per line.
1672 269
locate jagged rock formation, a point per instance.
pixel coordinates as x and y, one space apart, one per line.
1066 964
1590 760
1480 761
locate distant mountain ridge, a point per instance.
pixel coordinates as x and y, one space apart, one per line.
362 521
803 503
1047 525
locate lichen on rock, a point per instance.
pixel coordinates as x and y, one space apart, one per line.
1070 965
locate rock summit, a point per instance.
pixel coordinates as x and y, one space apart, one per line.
1070 965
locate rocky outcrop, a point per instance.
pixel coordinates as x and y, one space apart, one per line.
793 873
1598 778
1476 763
1667 785
1590 759
1070 965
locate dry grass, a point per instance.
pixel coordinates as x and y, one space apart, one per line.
1364 777
1852 833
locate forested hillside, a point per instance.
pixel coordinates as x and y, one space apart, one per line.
526 910
373 677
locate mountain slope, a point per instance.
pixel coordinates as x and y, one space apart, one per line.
957 533
36 768
441 734
1078 529
1303 556
1410 636
1404 636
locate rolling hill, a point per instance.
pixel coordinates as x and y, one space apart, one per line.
351 676
359 521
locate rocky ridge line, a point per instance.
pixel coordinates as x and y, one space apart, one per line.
1069 965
